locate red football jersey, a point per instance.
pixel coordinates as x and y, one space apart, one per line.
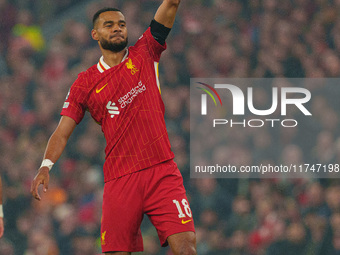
125 100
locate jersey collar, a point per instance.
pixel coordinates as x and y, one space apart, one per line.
102 66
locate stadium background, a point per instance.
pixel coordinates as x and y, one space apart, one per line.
45 44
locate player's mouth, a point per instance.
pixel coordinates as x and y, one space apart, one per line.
116 36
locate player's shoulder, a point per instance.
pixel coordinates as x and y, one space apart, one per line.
91 71
85 77
143 38
146 34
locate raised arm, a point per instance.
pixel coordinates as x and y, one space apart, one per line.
166 12
54 149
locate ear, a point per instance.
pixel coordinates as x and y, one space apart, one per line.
94 34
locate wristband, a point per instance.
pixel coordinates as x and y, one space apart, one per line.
1 212
48 163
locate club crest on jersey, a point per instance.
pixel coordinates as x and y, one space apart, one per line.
131 66
103 238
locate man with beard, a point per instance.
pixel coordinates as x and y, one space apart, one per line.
122 94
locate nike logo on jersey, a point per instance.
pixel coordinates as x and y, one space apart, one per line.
185 221
112 109
98 90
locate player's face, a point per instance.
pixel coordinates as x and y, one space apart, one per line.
111 32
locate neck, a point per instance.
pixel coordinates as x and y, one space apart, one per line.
113 58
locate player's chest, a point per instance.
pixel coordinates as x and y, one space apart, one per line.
115 81
120 87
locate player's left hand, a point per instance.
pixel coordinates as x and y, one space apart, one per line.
43 177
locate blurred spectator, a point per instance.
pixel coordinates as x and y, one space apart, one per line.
211 202
242 218
316 200
294 243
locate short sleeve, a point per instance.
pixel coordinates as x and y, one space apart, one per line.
148 41
75 103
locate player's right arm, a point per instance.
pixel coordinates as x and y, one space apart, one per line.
166 12
54 149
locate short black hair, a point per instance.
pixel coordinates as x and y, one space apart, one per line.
106 9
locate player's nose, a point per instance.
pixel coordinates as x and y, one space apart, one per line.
117 28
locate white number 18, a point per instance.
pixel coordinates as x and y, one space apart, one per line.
186 208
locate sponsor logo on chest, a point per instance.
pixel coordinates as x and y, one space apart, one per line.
125 100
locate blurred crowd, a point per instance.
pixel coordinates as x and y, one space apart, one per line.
210 38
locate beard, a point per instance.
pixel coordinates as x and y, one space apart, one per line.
114 47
